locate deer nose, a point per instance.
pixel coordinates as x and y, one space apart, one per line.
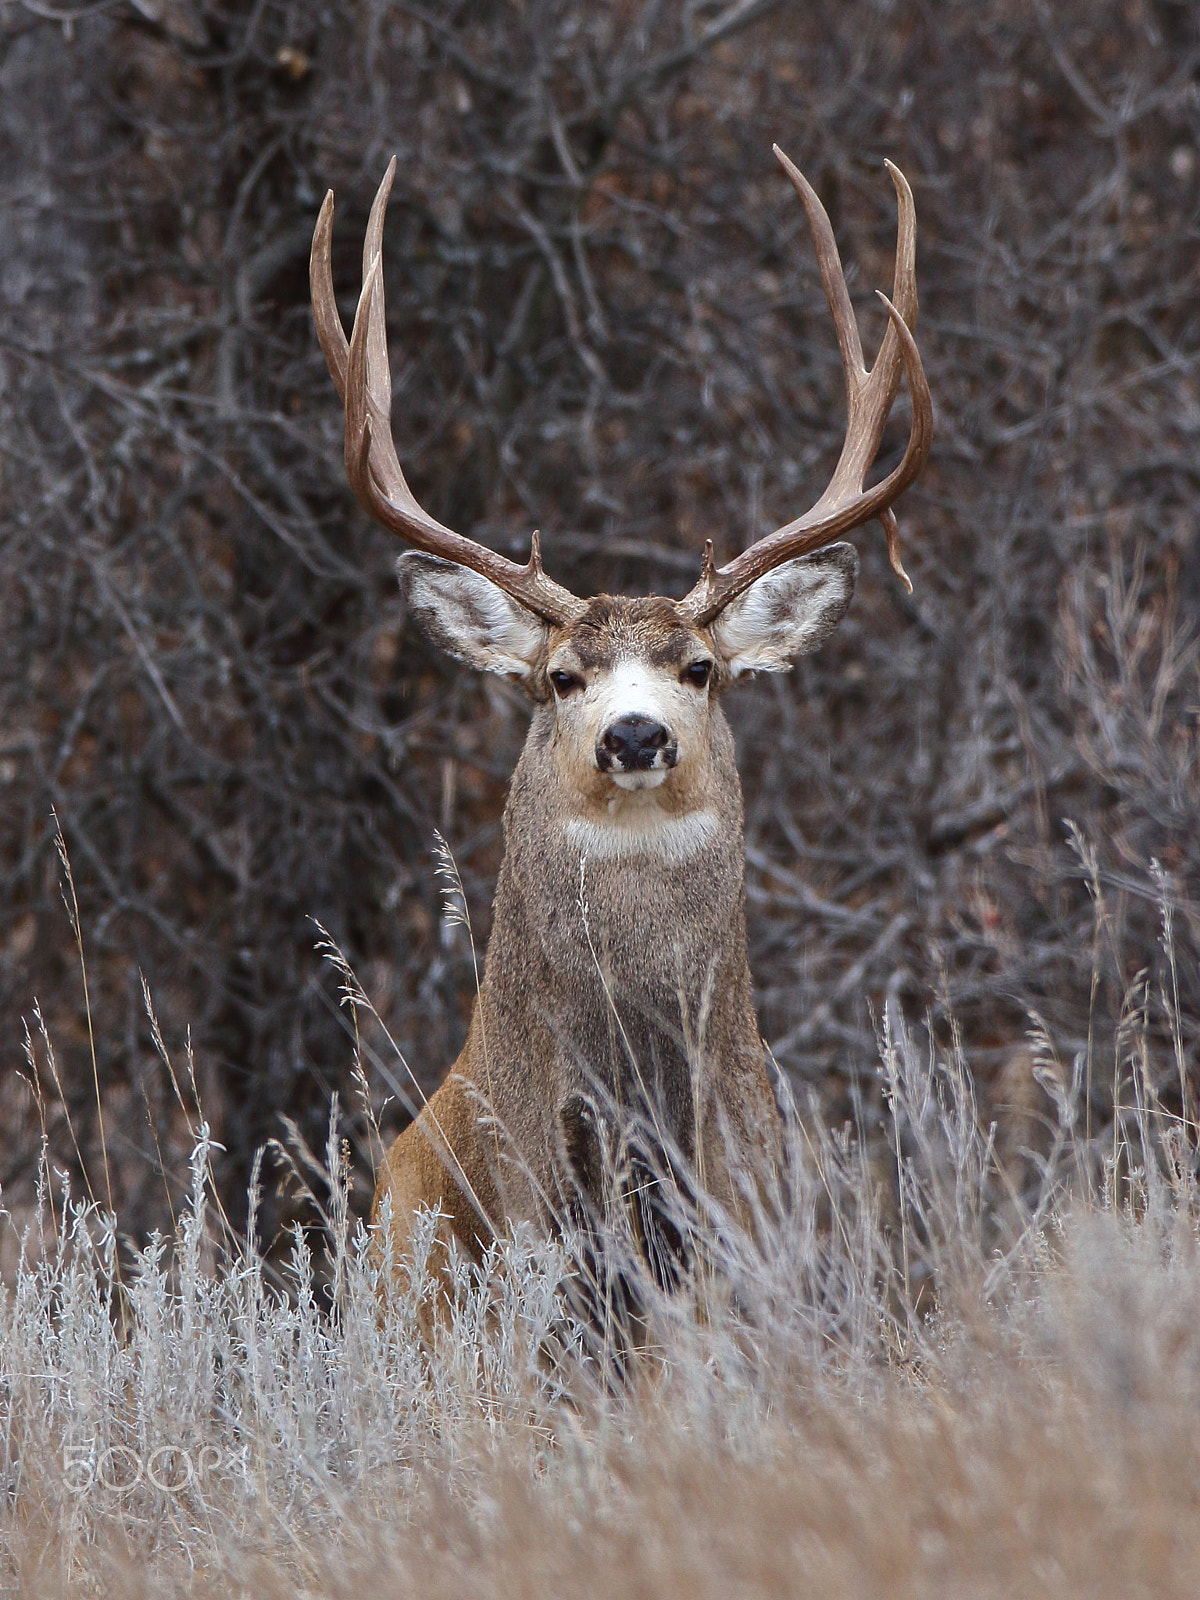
634 744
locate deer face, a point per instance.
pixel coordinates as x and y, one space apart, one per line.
629 687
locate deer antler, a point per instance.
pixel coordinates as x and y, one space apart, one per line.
869 396
363 380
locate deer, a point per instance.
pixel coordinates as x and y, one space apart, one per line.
617 984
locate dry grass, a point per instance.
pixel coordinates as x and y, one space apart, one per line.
927 1379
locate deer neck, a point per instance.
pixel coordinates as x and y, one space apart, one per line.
646 894
617 963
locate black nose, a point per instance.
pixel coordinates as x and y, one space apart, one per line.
633 743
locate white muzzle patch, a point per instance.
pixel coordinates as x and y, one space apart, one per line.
642 779
636 744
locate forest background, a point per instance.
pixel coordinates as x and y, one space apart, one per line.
606 323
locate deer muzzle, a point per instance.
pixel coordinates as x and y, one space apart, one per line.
632 745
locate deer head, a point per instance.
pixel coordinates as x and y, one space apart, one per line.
629 681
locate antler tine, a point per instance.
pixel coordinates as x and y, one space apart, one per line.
385 462
362 376
869 395
328 319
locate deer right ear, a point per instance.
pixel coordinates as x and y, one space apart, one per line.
466 615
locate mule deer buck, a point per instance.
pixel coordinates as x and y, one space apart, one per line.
617 978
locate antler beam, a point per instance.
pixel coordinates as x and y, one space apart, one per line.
363 379
845 504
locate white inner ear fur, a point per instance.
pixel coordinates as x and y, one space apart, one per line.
788 612
469 617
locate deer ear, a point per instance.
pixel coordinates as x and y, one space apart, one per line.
788 612
466 615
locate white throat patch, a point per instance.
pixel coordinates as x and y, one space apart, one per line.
647 833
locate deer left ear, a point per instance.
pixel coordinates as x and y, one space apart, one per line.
787 613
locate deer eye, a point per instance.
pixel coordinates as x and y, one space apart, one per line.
565 682
697 674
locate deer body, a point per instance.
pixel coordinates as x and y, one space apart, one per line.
616 973
617 992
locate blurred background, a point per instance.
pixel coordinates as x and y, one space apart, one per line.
606 322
